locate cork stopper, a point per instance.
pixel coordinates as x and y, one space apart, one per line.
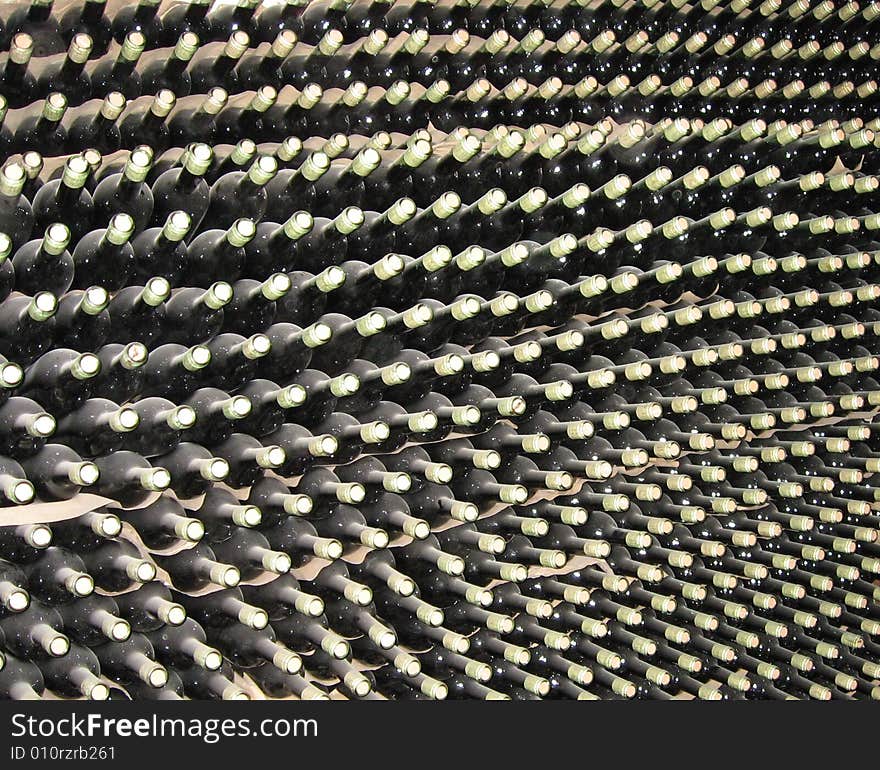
375 42
163 102
54 107
365 162
76 172
724 45
291 147
262 170
238 44
550 88
257 345
603 41
243 152
241 232
568 41
186 46
283 44
416 41
80 48
138 165
352 97
397 92
531 41
197 158
315 165
632 133
667 42
21 49
312 93
263 99
12 180
55 239
371 323
649 85
112 106
457 41
636 41
496 42
299 224
437 91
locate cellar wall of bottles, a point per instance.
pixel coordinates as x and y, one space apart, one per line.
491 349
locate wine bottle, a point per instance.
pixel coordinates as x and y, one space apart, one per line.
120 73
44 129
76 674
133 659
58 576
171 72
44 263
183 187
17 218
136 312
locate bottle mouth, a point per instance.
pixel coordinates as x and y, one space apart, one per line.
99 691
157 290
21 492
125 420
11 375
258 346
375 538
259 619
374 433
239 407
401 482
175 615
363 596
299 505
17 601
434 618
198 356
110 525
466 415
249 516
351 493
217 469
230 577
82 585
120 631
293 396
193 531
144 572
279 563
42 425
346 384
157 677
315 607
58 646
212 660
158 480
86 366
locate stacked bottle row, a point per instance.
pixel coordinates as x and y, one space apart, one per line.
110 21
165 123
769 60
380 59
465 81
469 187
